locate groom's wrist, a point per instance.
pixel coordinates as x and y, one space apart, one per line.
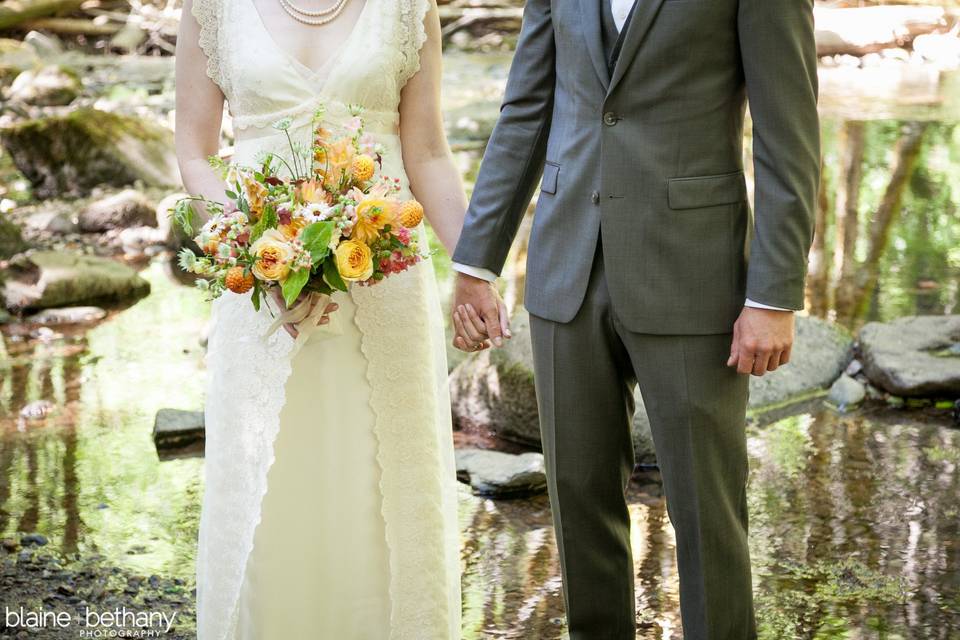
476 272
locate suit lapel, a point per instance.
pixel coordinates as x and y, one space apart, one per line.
593 33
643 14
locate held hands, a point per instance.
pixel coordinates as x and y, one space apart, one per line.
291 327
479 314
762 340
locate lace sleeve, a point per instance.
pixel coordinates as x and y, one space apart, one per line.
209 14
413 34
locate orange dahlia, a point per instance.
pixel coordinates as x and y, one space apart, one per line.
410 214
238 281
362 168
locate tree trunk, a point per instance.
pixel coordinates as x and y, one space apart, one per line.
847 230
15 12
906 154
817 299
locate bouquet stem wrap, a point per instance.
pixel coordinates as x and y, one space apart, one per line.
306 315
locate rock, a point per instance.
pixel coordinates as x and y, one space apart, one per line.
5 317
51 221
51 86
494 390
33 539
68 315
45 279
136 240
911 356
847 392
128 208
10 545
497 474
74 152
821 352
36 410
176 429
11 239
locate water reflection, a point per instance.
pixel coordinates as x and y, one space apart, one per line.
854 534
854 519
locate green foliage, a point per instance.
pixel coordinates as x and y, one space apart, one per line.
294 284
316 239
332 276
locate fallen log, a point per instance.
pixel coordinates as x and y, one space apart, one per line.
16 12
72 26
858 31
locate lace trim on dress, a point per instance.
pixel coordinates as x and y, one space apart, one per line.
252 409
413 35
208 14
404 401
301 114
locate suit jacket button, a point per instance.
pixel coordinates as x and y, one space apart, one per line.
610 118
595 197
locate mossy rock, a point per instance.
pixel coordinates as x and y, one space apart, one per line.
494 390
46 279
11 240
50 86
70 154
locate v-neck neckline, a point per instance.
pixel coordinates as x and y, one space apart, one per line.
306 70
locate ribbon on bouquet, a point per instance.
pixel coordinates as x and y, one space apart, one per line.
306 315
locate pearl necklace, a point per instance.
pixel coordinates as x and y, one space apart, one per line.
311 17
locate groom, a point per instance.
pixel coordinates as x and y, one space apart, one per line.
633 114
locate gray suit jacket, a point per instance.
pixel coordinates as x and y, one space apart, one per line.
650 159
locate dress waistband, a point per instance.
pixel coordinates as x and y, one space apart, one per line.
261 125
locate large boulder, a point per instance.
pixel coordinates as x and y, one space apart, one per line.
821 352
51 86
128 208
494 390
44 279
69 154
913 356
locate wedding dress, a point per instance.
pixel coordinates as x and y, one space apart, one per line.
329 509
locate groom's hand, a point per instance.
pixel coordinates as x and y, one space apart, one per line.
762 340
479 314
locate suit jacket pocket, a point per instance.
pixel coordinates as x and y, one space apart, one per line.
551 171
706 191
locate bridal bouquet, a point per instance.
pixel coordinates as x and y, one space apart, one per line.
310 224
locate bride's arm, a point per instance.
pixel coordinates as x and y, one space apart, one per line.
434 178
199 113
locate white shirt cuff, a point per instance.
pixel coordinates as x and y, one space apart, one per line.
476 272
760 305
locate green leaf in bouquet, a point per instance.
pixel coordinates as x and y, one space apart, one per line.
316 239
294 284
268 220
332 275
257 292
184 215
232 194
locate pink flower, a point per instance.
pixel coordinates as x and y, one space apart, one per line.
284 215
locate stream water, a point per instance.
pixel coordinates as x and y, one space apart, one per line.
855 519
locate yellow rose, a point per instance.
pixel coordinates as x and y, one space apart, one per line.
354 260
373 214
273 255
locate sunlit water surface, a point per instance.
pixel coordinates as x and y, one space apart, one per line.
854 519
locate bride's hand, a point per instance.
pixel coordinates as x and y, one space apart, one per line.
291 327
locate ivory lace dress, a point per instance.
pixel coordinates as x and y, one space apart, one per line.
329 509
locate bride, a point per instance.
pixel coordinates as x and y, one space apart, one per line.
329 508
